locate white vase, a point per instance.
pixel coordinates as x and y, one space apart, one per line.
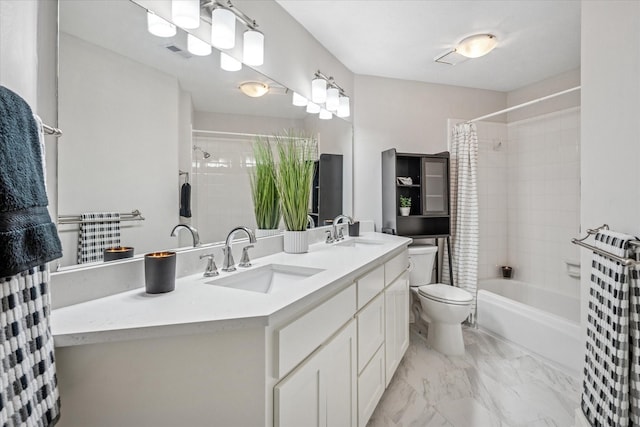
296 242
266 232
404 211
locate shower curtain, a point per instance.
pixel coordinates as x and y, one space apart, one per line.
464 211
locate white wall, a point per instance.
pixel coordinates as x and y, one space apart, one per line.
135 129
409 116
610 125
18 48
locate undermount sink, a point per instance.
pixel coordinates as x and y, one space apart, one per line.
268 279
359 243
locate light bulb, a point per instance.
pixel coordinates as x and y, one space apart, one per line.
318 90
332 99
299 100
223 28
343 108
186 13
229 63
253 48
325 114
197 47
159 27
313 108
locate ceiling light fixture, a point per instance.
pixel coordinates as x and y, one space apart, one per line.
477 45
254 89
229 63
195 46
159 27
324 90
186 13
299 100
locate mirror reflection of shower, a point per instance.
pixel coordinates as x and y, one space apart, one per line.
205 154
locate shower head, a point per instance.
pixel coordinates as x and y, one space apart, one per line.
205 154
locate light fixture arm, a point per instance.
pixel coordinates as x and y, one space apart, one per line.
213 4
330 81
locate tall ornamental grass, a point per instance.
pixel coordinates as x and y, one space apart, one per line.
266 201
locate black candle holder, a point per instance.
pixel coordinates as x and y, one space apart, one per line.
160 272
506 271
118 252
354 229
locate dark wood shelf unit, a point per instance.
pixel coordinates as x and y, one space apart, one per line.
326 192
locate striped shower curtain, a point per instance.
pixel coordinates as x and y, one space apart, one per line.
464 210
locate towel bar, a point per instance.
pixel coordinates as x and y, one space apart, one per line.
134 215
628 262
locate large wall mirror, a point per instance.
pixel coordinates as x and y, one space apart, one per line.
137 109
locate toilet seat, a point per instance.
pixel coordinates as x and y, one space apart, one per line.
446 294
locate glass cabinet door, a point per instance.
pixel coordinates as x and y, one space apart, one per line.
435 177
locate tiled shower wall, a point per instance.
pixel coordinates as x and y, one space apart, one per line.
492 198
543 175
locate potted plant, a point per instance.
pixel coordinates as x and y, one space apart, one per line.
266 201
294 174
405 205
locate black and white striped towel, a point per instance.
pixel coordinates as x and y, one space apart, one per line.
98 231
28 384
611 383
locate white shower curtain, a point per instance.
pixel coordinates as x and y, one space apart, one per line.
464 210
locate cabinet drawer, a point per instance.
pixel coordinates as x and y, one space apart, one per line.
395 266
370 330
370 285
370 387
299 338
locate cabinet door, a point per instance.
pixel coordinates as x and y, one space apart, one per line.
396 323
435 184
321 392
371 330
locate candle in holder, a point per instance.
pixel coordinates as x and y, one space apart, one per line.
119 252
160 272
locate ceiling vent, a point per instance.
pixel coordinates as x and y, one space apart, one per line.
175 49
450 57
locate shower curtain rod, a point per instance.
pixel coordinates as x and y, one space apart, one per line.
219 132
524 104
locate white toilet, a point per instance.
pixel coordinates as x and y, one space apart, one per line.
443 307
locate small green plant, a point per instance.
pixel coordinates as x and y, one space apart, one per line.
266 201
405 202
296 153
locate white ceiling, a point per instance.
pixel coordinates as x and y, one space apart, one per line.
400 38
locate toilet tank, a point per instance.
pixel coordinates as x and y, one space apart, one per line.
421 257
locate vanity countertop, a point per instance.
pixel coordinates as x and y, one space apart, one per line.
198 307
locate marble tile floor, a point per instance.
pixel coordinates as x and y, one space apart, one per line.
495 383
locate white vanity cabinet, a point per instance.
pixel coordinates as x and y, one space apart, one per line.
396 300
321 391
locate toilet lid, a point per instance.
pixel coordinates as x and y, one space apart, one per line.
445 293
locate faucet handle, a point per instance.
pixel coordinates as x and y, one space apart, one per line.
340 235
212 269
329 237
244 260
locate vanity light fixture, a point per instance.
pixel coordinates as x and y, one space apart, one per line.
299 100
159 27
254 89
325 114
318 90
333 95
343 107
324 90
229 63
313 108
197 47
186 13
223 30
477 45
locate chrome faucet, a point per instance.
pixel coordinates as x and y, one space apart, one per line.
338 235
310 222
194 233
212 269
229 264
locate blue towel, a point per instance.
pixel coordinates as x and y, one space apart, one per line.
28 238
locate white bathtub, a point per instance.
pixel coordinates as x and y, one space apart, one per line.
538 319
